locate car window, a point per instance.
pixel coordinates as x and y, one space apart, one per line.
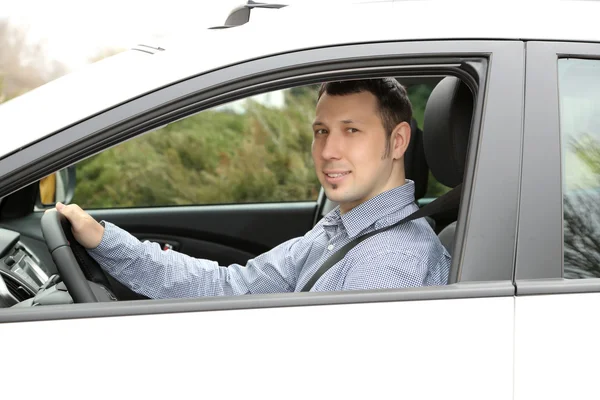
579 91
253 150
247 151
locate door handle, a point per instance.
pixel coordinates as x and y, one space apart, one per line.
164 244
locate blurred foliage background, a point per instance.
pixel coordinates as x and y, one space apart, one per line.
246 152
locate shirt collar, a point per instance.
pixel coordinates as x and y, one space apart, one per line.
372 210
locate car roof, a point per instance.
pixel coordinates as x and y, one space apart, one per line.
117 79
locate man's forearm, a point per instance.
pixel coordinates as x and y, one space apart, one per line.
147 269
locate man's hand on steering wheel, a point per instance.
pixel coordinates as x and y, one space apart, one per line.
69 232
86 230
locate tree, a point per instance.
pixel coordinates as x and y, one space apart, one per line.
582 213
23 65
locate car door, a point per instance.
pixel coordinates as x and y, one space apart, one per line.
452 341
558 290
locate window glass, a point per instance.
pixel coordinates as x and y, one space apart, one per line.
252 150
579 91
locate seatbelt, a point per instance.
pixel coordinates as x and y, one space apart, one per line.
446 202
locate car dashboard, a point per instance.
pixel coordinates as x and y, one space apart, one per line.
22 273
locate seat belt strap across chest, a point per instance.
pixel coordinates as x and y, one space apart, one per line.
446 202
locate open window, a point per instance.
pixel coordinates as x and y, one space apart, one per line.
257 150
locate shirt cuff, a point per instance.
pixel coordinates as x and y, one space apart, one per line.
105 237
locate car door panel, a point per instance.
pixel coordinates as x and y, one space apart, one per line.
228 233
374 350
556 347
452 341
223 233
555 318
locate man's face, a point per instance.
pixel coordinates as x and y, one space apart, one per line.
349 149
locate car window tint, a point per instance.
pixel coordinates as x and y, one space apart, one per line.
249 151
579 91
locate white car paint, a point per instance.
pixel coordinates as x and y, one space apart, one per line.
436 349
556 347
81 94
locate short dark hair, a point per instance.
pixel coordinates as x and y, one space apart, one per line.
393 101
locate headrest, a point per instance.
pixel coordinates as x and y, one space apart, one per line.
415 163
446 128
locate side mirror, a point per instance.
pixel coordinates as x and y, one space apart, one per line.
58 187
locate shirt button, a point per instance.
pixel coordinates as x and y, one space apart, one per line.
330 247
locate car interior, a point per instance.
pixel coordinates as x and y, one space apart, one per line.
30 276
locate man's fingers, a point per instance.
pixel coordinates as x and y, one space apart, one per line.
64 210
72 212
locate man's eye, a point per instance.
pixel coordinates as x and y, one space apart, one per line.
320 131
352 130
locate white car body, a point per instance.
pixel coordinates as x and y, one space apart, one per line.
500 348
133 73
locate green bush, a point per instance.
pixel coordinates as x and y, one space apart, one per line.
261 155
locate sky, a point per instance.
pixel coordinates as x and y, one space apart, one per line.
74 31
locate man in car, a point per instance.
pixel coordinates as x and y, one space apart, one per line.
361 131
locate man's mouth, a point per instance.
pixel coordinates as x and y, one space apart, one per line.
336 177
337 174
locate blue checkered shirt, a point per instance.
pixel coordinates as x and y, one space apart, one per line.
407 255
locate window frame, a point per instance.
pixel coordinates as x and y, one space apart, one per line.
540 254
501 93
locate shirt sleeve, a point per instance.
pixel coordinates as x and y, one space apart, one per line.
387 271
147 269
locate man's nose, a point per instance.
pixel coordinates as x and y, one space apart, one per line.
333 147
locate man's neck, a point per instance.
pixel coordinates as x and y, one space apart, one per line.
346 208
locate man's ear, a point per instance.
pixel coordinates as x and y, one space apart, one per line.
400 140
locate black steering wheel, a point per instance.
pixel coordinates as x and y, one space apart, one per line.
75 265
